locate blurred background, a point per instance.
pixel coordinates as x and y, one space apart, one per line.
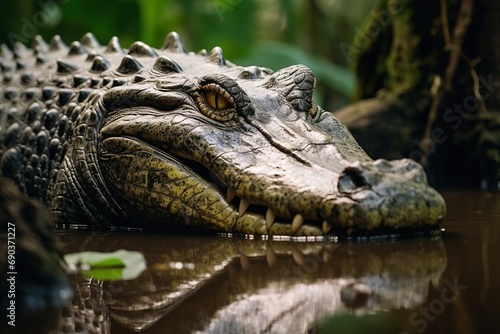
270 33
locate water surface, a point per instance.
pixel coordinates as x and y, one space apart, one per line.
201 284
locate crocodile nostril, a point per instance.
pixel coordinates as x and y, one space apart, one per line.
351 179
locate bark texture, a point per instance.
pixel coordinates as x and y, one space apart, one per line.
429 88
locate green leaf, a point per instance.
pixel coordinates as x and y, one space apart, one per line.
109 274
118 265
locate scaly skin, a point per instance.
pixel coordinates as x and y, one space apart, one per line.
166 139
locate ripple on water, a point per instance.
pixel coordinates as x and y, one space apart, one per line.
472 213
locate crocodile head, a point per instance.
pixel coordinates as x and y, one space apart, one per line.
196 142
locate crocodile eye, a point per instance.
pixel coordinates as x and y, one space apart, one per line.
215 102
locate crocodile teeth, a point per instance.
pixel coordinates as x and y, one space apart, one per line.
326 227
244 204
245 262
297 222
271 256
326 256
297 256
230 194
270 217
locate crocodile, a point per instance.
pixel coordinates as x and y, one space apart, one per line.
161 138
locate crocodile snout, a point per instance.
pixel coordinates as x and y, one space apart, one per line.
391 194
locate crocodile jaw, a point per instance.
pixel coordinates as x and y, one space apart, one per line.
253 195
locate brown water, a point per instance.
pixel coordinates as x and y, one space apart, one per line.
447 284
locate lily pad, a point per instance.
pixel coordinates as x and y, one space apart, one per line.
118 265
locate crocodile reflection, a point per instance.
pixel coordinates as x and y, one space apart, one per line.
214 285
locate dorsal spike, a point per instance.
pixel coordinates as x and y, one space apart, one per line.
140 49
41 59
5 51
92 54
99 64
89 40
5 67
114 46
139 78
119 82
27 78
216 56
83 94
20 50
7 79
76 48
65 96
56 44
166 65
173 43
96 82
20 64
64 67
79 79
39 45
48 92
129 65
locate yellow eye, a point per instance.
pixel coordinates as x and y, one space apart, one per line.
215 102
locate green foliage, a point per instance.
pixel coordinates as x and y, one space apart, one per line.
273 33
276 55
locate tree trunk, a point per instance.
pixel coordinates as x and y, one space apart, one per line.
429 87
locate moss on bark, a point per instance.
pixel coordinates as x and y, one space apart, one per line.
431 73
